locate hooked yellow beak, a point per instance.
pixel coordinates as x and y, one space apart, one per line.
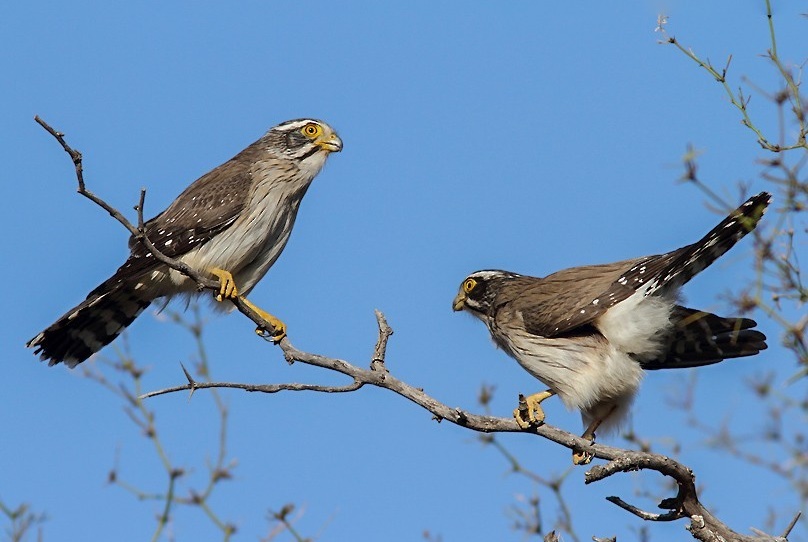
330 142
459 301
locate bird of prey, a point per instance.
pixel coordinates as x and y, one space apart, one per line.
588 333
232 224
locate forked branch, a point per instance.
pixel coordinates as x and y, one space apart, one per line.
703 525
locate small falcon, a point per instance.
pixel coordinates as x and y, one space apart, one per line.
588 333
230 224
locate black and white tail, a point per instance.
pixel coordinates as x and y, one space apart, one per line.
701 338
676 268
93 323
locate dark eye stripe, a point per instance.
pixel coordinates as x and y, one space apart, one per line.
314 148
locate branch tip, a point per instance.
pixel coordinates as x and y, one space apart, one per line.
640 513
792 524
380 351
139 209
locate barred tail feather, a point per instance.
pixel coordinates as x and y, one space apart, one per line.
685 263
92 324
701 338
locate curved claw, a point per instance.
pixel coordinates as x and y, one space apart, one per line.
530 408
580 457
278 327
274 337
519 414
229 290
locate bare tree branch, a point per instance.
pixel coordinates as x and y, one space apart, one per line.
194 385
703 525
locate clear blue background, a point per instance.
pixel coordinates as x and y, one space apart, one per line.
527 136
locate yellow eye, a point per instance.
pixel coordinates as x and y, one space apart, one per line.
311 130
468 285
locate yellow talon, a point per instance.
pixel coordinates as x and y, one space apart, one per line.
529 412
227 286
278 327
228 290
582 457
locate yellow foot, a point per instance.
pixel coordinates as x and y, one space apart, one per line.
227 286
278 327
529 411
581 458
228 290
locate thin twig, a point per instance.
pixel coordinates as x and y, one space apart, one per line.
193 385
640 513
380 352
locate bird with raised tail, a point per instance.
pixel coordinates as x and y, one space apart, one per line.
589 333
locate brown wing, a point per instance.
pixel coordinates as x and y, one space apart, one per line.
575 297
566 299
581 294
207 207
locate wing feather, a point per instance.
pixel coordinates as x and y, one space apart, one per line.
577 296
207 207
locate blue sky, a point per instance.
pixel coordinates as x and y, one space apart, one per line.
522 136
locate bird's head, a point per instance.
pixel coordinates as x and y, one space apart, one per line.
301 139
478 291
305 142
